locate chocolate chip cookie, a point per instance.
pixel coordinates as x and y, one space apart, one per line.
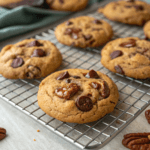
77 95
29 59
15 3
84 32
127 11
128 56
67 5
147 29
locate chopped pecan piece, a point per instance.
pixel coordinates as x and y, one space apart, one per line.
147 115
136 141
68 91
2 133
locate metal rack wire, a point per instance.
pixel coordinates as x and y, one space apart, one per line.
134 94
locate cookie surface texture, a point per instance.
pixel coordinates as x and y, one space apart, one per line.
84 32
128 56
67 5
29 59
127 11
77 95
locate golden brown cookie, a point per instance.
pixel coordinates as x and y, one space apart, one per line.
67 5
29 59
77 95
147 29
128 56
15 3
84 32
127 11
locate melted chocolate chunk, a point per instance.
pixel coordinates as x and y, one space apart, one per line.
38 53
76 77
130 43
92 74
95 85
84 103
138 7
69 23
116 54
34 43
68 31
67 92
119 69
18 62
105 91
68 81
87 37
63 75
96 21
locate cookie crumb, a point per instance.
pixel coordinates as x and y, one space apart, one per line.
38 130
34 140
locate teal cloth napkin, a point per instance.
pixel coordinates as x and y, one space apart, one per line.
24 19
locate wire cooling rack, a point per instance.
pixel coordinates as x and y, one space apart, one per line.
134 94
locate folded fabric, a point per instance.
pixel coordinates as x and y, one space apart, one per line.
24 19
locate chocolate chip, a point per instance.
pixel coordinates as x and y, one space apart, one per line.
38 53
2 133
18 62
92 74
96 21
75 36
138 7
68 81
34 43
87 37
130 43
84 103
76 77
63 75
95 85
116 54
119 69
69 23
61 1
105 91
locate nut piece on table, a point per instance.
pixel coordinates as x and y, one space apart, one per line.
147 115
137 141
2 133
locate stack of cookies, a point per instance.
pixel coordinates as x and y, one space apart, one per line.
78 95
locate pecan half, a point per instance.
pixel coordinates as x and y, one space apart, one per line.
68 91
136 141
2 133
